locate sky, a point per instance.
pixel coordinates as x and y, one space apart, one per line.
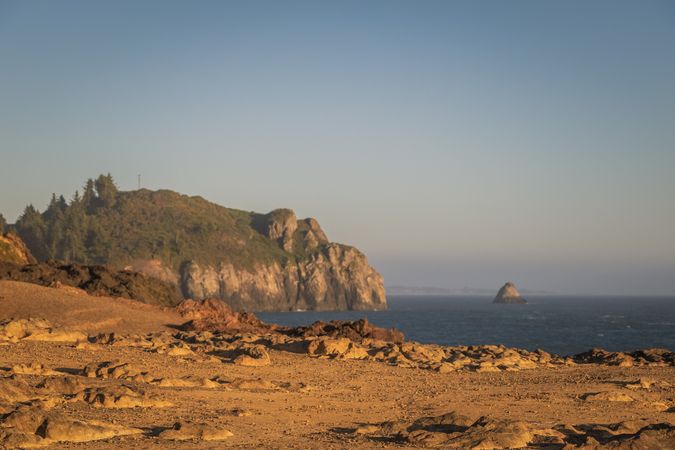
458 144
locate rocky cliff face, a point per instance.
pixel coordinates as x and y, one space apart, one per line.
336 278
254 262
329 277
509 294
14 251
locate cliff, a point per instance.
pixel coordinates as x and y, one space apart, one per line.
14 251
335 278
254 262
508 294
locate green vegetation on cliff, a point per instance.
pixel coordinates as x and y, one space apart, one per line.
108 226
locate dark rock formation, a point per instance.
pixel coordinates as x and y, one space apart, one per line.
355 331
215 315
652 356
508 294
95 280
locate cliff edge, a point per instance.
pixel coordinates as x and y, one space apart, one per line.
252 261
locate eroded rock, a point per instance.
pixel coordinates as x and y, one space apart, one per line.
33 329
187 431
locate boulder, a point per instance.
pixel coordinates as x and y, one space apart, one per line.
215 315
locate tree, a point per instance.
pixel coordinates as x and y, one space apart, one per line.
106 191
89 195
97 243
3 224
71 247
32 229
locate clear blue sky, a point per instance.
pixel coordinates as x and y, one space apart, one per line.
456 143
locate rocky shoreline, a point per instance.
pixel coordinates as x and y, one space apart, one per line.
43 403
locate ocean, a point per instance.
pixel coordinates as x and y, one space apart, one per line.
561 325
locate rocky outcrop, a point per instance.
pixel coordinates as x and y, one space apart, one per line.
95 280
652 356
255 262
280 226
508 294
454 430
337 277
14 251
216 315
357 331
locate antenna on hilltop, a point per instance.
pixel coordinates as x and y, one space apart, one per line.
139 181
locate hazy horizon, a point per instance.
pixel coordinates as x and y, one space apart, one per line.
455 143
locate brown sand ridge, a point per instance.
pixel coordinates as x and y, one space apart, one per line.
72 307
94 372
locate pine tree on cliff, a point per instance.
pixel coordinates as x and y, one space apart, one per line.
97 243
89 195
32 229
71 247
3 224
106 191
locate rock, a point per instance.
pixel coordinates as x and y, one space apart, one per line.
608 396
451 422
333 277
356 331
453 430
508 294
186 431
280 225
117 370
253 356
641 383
239 412
29 426
34 368
61 429
119 397
204 383
13 390
422 353
95 280
600 356
336 348
61 385
367 429
14 251
215 315
37 330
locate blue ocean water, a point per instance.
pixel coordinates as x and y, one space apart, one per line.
562 325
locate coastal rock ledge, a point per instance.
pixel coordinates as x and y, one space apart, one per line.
508 294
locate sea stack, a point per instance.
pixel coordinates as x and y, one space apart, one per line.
508 294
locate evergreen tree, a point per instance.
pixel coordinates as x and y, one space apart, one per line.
61 203
55 233
52 208
3 224
89 195
32 229
106 191
71 246
97 243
